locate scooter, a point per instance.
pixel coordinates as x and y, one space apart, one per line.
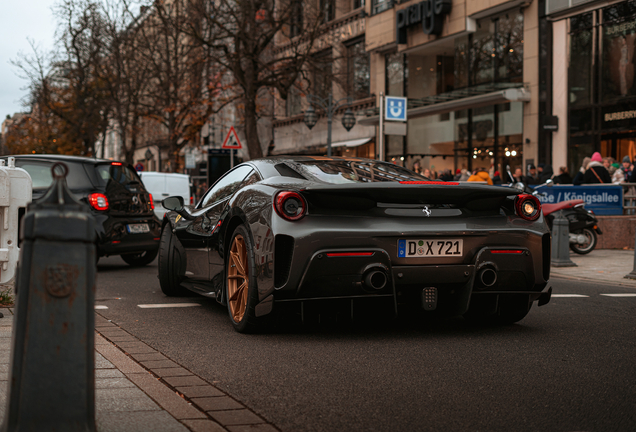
583 225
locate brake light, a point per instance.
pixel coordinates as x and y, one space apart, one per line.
289 205
528 207
506 251
348 254
430 183
98 201
191 200
152 203
116 163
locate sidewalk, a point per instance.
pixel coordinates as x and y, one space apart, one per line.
138 389
601 265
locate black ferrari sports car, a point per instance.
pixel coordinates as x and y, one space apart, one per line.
303 229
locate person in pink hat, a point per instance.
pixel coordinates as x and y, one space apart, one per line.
596 172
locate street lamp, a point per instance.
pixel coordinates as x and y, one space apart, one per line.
329 106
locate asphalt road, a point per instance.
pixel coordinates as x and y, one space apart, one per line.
568 366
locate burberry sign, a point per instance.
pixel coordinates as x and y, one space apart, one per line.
430 13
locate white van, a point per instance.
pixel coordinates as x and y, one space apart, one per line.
162 185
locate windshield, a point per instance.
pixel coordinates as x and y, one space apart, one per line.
119 173
41 177
355 171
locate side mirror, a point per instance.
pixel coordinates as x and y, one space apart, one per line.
174 203
549 183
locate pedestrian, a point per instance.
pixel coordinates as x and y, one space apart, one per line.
617 174
416 167
546 173
627 168
480 174
578 178
564 176
496 178
427 173
596 172
458 174
532 177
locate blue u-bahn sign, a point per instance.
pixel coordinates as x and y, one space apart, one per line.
602 199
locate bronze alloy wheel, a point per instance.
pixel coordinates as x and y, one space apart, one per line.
238 278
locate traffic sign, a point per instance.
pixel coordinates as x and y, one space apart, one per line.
395 108
139 166
231 140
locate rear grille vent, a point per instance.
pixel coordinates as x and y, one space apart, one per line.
283 253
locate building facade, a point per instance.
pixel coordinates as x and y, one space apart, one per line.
470 71
594 92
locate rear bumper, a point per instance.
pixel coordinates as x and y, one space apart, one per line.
114 239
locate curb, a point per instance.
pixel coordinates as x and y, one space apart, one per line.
584 279
197 404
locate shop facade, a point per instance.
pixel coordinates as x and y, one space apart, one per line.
469 70
596 100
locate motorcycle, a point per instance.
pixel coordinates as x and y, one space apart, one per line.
583 224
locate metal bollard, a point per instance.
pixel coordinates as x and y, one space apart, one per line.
52 371
632 275
561 242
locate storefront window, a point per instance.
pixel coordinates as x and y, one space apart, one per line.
509 48
358 71
580 70
482 57
619 37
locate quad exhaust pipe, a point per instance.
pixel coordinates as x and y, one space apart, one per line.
488 277
375 279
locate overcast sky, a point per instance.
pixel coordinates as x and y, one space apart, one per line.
21 20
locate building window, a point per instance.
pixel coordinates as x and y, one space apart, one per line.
378 6
293 103
395 74
322 74
296 18
358 4
328 9
358 70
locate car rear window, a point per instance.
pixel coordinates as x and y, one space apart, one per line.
40 172
355 171
121 174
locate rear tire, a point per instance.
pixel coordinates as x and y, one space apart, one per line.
171 264
589 246
240 282
140 259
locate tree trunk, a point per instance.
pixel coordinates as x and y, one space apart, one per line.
251 129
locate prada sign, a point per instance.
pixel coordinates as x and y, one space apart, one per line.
429 12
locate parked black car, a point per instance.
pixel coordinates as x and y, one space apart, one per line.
122 207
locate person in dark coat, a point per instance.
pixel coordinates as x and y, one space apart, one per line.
596 172
564 176
546 173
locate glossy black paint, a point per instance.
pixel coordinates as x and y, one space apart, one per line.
367 217
127 205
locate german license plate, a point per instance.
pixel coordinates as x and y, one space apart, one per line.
430 248
137 228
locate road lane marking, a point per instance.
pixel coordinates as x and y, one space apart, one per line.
101 307
568 295
619 295
167 305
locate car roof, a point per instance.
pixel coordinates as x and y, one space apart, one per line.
68 158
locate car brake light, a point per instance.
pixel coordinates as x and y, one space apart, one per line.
152 203
290 205
430 183
116 163
528 207
98 201
191 200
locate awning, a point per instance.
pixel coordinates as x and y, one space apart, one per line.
447 102
350 143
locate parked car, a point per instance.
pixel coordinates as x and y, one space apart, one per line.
122 207
298 230
162 185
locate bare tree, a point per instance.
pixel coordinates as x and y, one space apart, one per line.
261 44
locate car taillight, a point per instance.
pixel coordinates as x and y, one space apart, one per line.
191 200
98 201
152 203
290 205
528 207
